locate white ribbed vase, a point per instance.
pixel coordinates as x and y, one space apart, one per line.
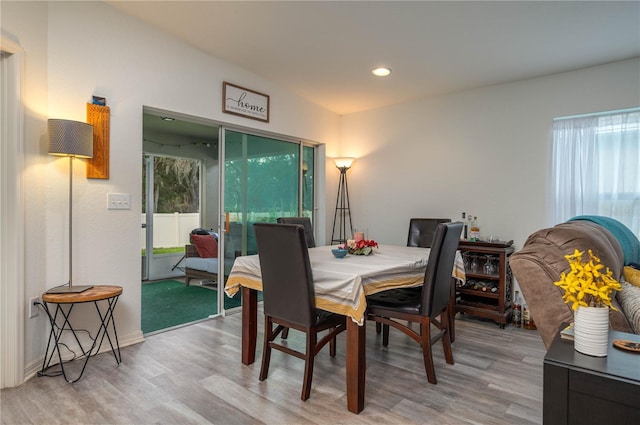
591 330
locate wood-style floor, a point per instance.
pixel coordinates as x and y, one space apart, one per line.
193 375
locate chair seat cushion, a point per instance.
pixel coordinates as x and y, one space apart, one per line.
209 265
404 300
323 316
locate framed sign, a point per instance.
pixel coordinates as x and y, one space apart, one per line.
247 103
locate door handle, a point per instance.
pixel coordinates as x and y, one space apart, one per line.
227 228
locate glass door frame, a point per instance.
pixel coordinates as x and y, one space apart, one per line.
148 235
318 205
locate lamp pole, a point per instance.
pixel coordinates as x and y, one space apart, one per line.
342 215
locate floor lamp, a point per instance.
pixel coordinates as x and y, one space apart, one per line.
342 213
75 140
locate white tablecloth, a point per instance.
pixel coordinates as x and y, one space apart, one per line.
342 284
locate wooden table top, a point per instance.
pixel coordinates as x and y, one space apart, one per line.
97 293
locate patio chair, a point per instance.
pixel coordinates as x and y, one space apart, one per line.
201 256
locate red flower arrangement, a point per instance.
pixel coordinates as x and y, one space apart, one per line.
363 247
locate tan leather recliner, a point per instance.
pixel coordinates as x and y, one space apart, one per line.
541 260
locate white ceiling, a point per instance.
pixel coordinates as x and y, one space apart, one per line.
324 51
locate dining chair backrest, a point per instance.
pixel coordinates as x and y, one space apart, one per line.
306 223
287 281
421 231
436 290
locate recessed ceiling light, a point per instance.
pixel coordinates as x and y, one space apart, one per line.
381 72
167 118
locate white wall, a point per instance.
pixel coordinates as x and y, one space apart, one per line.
484 151
78 49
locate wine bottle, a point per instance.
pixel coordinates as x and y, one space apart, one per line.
474 230
517 311
464 225
526 317
532 324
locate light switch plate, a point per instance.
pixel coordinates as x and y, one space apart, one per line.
118 201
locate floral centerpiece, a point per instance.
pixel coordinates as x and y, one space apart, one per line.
362 247
588 287
586 284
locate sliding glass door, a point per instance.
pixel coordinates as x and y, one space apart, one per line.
264 178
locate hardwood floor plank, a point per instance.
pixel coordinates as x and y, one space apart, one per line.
252 403
193 375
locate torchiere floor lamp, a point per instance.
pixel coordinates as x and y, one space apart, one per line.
342 215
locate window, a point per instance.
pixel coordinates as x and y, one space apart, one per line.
596 167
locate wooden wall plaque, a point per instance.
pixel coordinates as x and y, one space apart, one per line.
98 117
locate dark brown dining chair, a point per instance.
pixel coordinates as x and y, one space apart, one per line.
311 243
304 222
426 307
421 231
289 298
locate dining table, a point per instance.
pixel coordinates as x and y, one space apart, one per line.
341 286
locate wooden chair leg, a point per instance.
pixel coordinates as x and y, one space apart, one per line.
308 364
332 347
378 328
285 333
425 333
452 312
266 351
451 328
446 340
385 335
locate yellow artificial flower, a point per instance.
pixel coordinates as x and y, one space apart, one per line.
586 285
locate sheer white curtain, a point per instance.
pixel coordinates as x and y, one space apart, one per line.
596 167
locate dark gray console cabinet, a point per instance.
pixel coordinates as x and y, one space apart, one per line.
580 389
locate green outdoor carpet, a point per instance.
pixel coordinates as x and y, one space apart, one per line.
170 303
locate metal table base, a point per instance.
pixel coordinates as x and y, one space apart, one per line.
64 304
